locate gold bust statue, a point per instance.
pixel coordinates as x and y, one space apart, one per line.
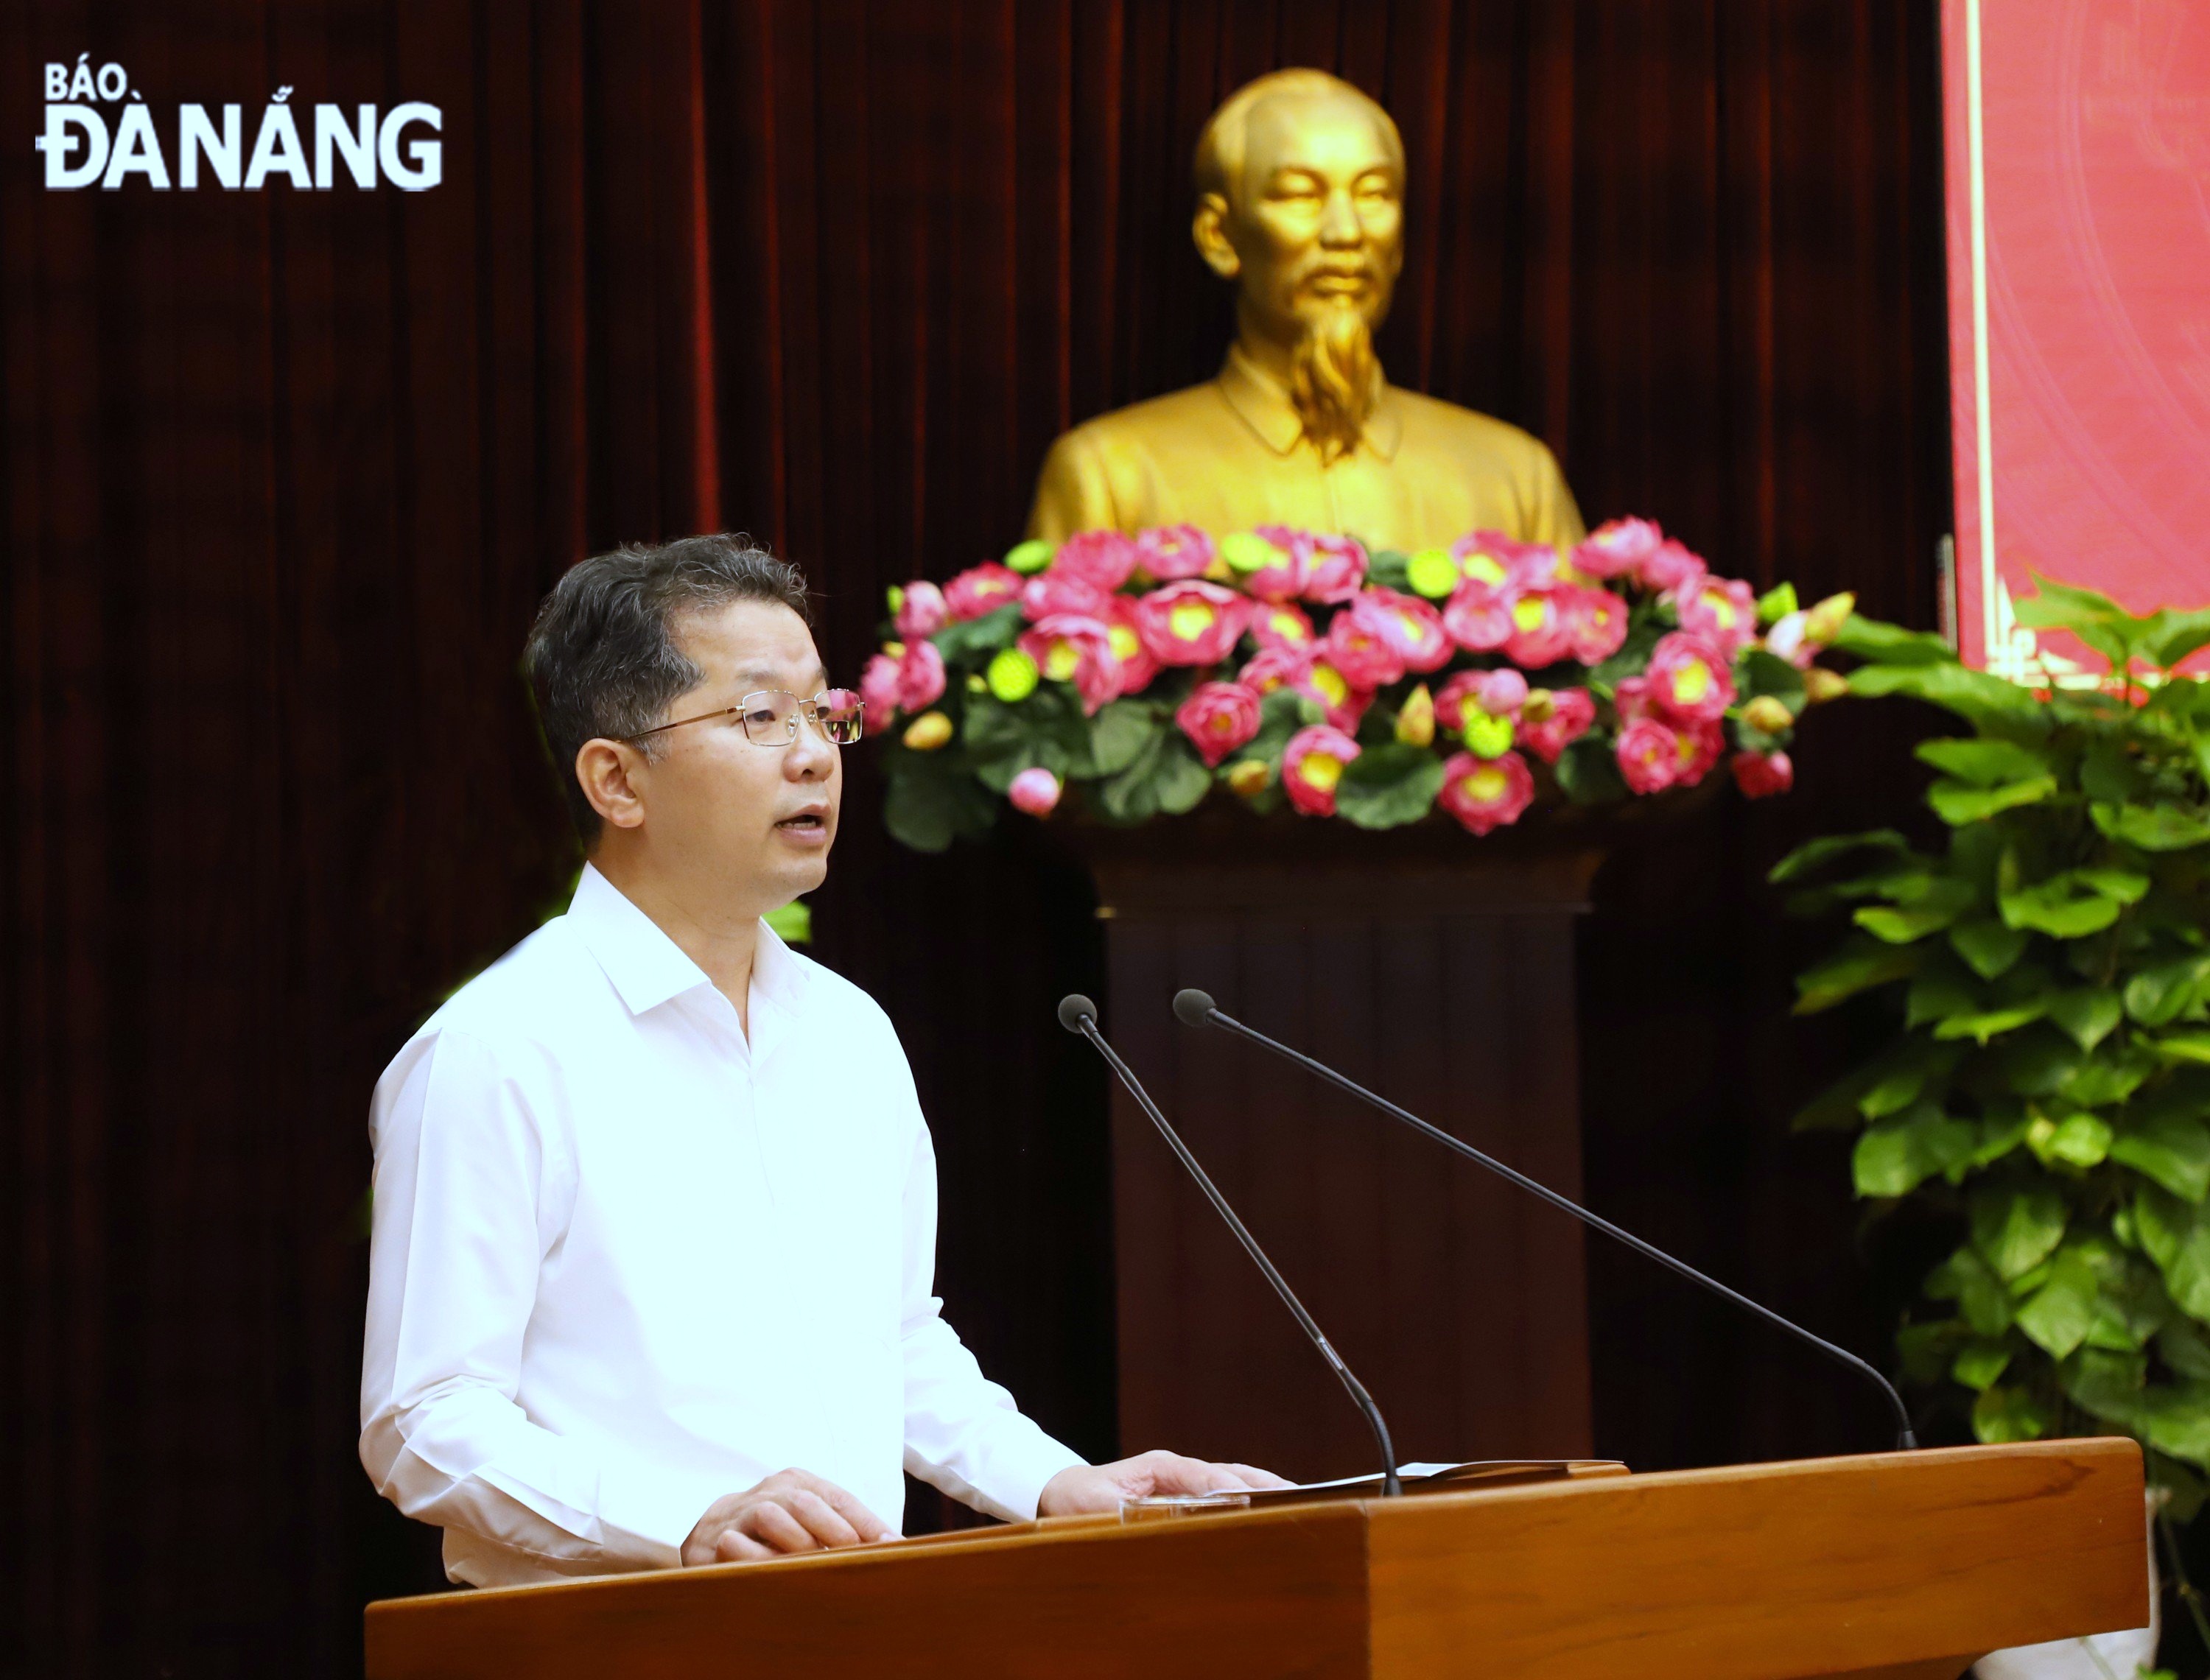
1299 202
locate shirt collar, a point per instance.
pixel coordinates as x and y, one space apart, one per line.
1264 405
646 966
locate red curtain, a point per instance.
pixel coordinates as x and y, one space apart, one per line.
285 474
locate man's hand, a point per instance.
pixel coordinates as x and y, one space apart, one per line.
1102 1487
790 1511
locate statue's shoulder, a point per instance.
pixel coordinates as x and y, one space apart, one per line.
1194 408
1438 425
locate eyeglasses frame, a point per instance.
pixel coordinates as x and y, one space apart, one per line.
809 709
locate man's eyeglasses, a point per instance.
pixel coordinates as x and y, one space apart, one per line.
770 717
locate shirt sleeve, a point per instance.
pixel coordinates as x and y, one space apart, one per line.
469 1194
963 1433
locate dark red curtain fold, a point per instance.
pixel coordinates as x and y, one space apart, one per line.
283 475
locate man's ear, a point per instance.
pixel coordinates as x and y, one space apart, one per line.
610 774
1210 230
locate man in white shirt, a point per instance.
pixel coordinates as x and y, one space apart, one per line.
654 1203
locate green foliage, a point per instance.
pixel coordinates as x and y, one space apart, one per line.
2049 1085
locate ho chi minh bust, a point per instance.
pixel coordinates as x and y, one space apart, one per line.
1300 184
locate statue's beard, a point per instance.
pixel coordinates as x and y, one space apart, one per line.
1333 379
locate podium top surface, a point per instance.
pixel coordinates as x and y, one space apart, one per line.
1906 1564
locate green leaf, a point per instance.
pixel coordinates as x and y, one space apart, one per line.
2092 615
1974 695
1930 907
1386 786
1118 734
2080 1139
1980 1364
1764 673
2172 635
2068 906
1589 773
2108 772
2087 1012
2056 1317
1859 965
1280 714
1888 644
2184 1347
2038 1063
1812 854
2157 996
1985 760
1894 1158
793 923
1181 779
1980 1295
971 637
2176 1237
1988 946
2002 1415
2151 827
2166 1145
2189 1047
2016 1227
1958 802
2176 1421
1776 604
1984 1024
1901 1076
927 809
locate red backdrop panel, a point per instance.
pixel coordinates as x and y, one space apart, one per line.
2079 147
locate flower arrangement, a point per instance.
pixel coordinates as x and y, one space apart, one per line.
1298 669
2046 1092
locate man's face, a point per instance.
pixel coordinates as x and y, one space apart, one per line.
756 819
1317 219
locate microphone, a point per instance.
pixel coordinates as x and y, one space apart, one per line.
1193 1008
1077 1015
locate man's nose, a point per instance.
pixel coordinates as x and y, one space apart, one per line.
812 755
1339 220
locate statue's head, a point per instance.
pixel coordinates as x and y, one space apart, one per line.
1299 202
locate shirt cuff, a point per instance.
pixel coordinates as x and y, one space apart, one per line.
1020 1470
648 1513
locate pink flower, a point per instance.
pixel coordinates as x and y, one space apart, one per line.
1690 679
1486 556
1632 699
1596 619
1174 551
1330 685
1720 609
1275 666
1698 748
1105 558
981 589
922 613
1055 591
1791 640
1541 634
1572 713
1478 616
1312 765
1035 791
1618 546
1485 793
1137 667
1411 628
1668 566
1649 755
878 691
1218 718
1356 646
1472 695
1336 569
1281 624
920 677
1762 774
1282 579
1071 648
1191 623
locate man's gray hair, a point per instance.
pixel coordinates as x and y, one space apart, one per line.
602 660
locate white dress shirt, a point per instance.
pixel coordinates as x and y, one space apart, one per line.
625 1261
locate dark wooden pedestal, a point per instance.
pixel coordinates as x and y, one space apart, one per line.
1433 968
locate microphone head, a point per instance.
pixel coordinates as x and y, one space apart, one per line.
1073 1009
1193 1008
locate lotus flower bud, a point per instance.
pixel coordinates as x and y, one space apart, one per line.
1824 621
1014 676
1416 718
1431 572
1822 684
1761 775
1246 552
975 684
894 649
920 609
1540 706
1028 557
1035 791
1249 777
1768 713
928 732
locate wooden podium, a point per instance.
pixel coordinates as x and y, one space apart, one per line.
1903 1565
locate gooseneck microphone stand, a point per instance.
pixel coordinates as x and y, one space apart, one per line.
1193 1008
1076 1014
